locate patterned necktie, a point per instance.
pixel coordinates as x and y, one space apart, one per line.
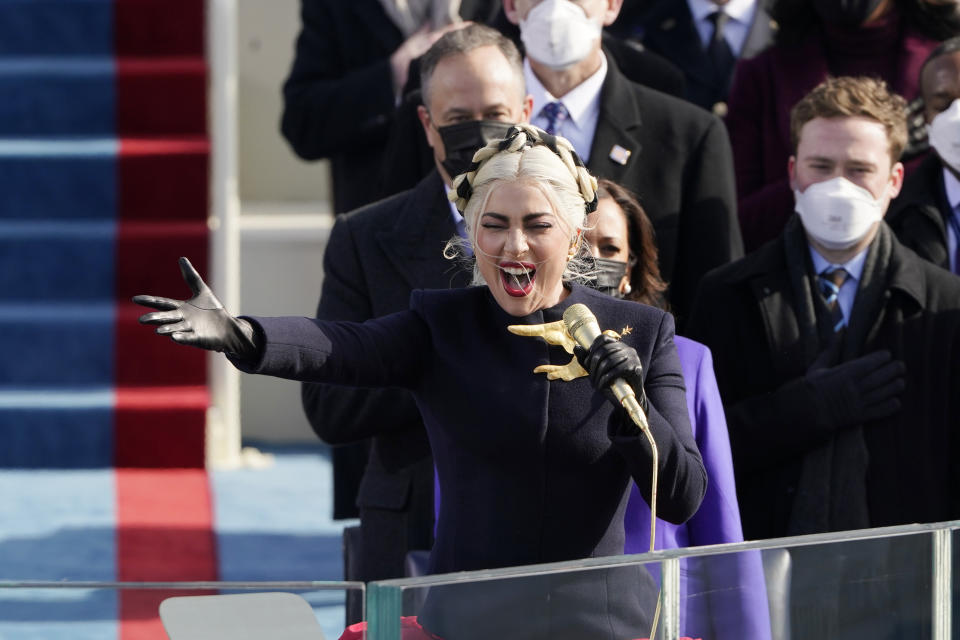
955 225
719 49
830 282
555 113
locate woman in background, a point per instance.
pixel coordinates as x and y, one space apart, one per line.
724 597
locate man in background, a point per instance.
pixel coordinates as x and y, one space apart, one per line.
926 215
473 88
837 354
673 155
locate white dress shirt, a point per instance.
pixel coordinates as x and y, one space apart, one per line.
582 103
953 200
848 290
737 28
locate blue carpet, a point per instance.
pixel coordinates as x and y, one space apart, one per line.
56 27
35 91
57 525
271 524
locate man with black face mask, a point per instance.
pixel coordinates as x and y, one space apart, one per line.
473 90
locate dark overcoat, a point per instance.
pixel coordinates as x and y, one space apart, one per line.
375 257
680 166
669 30
747 313
919 214
531 470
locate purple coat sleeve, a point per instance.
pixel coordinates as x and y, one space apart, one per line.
724 597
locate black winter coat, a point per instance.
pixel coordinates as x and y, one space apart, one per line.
747 313
375 257
919 214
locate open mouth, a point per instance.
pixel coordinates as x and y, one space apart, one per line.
517 278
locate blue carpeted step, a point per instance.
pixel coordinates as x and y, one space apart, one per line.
56 428
57 97
56 27
58 178
57 260
49 345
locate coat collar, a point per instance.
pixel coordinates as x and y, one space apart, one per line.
617 126
675 34
761 33
924 191
767 275
906 273
414 243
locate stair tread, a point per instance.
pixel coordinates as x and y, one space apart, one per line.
159 397
85 147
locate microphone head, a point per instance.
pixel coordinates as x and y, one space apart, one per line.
581 324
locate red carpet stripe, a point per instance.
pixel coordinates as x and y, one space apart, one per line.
160 427
163 179
164 533
161 96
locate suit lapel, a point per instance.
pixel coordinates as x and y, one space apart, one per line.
761 33
617 125
414 245
675 36
775 299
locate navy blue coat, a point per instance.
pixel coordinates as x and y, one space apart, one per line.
532 470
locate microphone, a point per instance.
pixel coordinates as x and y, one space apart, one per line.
582 326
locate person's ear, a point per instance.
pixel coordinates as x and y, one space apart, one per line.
611 12
428 130
792 172
896 180
510 10
527 109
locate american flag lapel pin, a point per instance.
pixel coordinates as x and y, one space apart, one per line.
619 155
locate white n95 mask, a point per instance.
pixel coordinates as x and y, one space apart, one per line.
944 135
558 34
836 212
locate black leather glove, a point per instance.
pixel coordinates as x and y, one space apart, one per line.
609 359
857 391
200 321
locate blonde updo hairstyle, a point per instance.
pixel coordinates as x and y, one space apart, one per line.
531 157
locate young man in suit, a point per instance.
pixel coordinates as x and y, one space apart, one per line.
473 90
926 216
673 155
837 354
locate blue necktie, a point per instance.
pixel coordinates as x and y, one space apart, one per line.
555 113
830 282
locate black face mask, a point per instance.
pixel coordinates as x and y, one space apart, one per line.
609 274
462 140
847 13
